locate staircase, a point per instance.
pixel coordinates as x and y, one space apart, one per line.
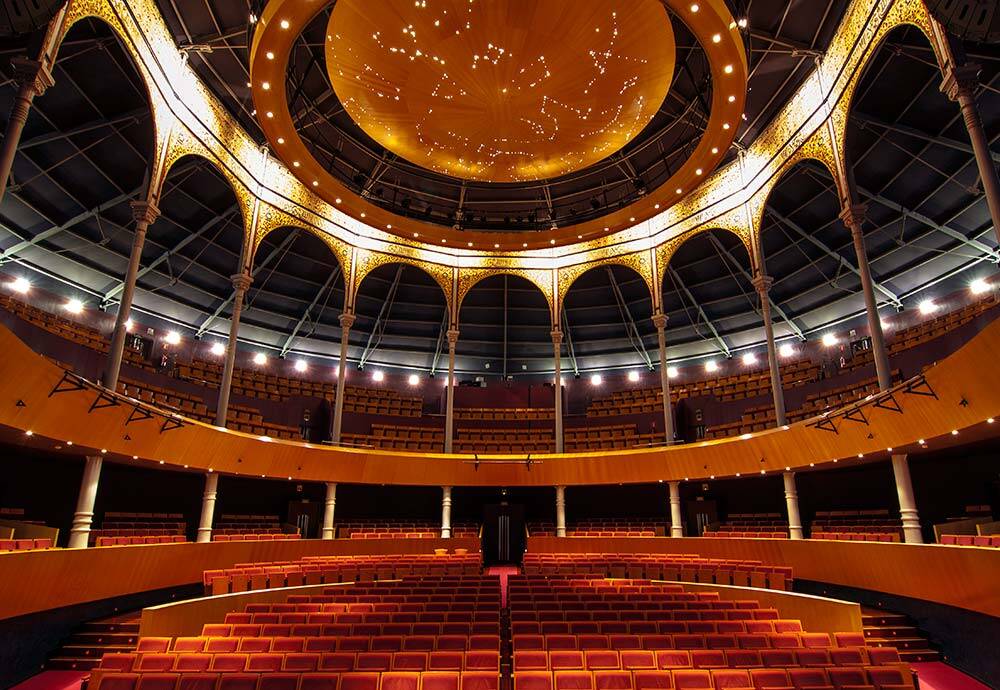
85 647
887 629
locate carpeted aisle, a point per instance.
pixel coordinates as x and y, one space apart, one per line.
936 675
504 572
53 680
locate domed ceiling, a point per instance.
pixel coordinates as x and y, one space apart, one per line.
65 221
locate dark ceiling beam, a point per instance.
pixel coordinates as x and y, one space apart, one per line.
130 118
746 274
793 46
681 287
260 266
864 121
306 315
111 293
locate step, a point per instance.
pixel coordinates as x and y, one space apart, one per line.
96 639
920 655
113 627
891 631
899 643
85 651
878 619
58 663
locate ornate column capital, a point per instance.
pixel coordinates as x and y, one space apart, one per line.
33 73
762 283
347 320
144 212
853 216
452 336
241 281
960 82
660 321
557 336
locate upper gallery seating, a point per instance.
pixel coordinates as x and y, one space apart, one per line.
677 567
251 536
260 384
25 544
18 514
402 529
735 387
625 635
751 525
856 525
497 440
405 635
504 413
314 570
762 417
990 540
604 527
120 529
249 527
926 331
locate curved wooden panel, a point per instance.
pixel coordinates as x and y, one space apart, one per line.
966 391
965 577
34 581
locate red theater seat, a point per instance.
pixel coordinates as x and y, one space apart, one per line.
692 679
437 680
479 680
319 681
770 679
359 681
238 681
194 661
809 678
529 680
278 681
198 681
573 680
653 680
729 679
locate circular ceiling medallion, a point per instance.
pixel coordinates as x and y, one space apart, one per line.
501 90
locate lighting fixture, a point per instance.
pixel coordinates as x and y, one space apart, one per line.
979 286
378 376
413 379
172 338
786 350
218 349
672 372
260 359
711 366
749 358
829 339
633 376
927 307
21 285
596 379
301 365
73 306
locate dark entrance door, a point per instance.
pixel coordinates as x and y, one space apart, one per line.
503 534
306 516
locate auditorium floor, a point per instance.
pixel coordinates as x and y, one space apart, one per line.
936 675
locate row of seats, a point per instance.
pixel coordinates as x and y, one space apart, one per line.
25 544
630 660
883 678
992 541
148 539
357 680
493 414
926 331
733 534
673 567
264 660
890 537
726 389
499 441
266 536
335 569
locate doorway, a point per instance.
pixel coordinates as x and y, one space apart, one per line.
503 539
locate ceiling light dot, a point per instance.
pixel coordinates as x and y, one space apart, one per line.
695 8
725 125
270 55
281 140
266 85
285 24
728 69
732 99
716 38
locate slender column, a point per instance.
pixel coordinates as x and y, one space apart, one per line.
912 533
853 217
446 512
208 507
79 533
449 411
660 321
792 503
145 214
960 86
346 321
560 511
557 352
32 78
329 532
763 284
676 524
241 283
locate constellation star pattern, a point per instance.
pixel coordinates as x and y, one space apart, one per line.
501 90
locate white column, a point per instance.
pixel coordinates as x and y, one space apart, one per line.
853 217
446 512
660 321
560 511
329 532
208 507
346 321
676 525
449 412
557 352
241 283
763 284
79 533
792 503
912 533
960 86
